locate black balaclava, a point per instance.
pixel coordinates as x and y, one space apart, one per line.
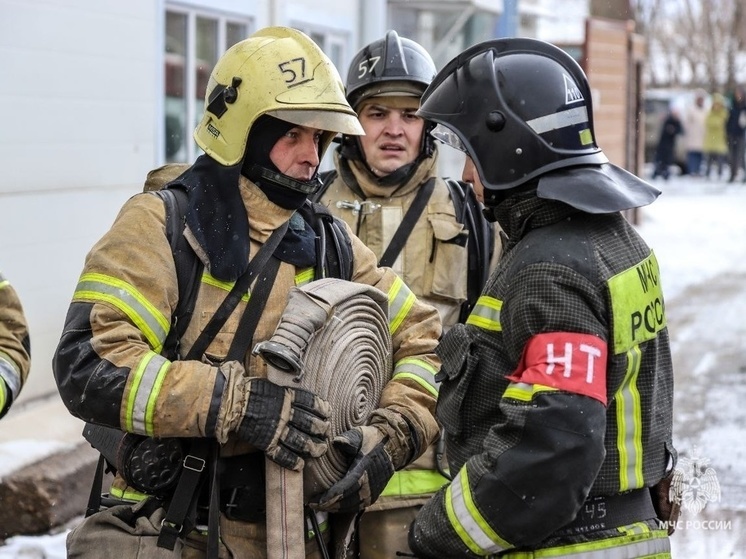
298 246
263 135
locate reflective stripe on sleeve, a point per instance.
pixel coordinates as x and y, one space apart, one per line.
411 483
629 425
100 288
419 371
486 314
653 544
143 393
525 392
467 521
401 300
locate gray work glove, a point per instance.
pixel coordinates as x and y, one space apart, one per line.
288 424
370 469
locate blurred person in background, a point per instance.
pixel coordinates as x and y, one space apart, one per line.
715 145
735 129
694 132
15 346
664 151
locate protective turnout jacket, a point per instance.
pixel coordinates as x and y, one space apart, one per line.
109 368
434 260
556 396
15 346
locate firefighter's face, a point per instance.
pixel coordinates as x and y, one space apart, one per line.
296 153
393 133
469 174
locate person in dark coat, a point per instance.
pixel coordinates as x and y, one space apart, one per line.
664 151
735 128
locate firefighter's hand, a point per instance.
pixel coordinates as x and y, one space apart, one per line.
288 424
370 469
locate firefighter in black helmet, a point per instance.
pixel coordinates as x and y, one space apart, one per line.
386 188
556 395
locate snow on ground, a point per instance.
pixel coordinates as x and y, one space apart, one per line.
698 231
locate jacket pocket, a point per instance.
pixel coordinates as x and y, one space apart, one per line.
449 258
459 364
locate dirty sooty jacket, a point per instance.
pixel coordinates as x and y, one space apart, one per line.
109 368
558 388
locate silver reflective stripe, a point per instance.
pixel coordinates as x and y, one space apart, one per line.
471 525
100 288
420 371
144 393
10 374
401 300
556 121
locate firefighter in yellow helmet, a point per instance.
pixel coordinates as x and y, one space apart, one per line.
274 101
15 346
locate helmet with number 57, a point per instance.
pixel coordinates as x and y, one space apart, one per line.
392 65
277 71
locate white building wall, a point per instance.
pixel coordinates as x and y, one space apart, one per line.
81 91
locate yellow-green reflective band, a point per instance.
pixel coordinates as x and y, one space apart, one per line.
305 276
525 392
3 282
401 300
143 394
629 424
128 495
406 483
220 284
418 370
652 545
100 288
486 314
637 304
322 518
467 521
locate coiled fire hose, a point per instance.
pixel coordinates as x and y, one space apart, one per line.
333 339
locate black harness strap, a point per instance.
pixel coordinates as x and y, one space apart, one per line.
184 502
188 266
405 227
240 287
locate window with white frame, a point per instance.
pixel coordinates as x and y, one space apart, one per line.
194 40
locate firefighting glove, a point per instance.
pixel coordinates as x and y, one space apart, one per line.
370 469
288 424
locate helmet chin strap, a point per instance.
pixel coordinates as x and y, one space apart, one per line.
259 174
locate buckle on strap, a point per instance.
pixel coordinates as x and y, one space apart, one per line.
194 463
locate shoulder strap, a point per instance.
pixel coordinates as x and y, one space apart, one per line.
241 286
481 243
188 266
405 227
334 256
326 178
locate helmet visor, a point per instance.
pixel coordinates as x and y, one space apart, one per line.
448 137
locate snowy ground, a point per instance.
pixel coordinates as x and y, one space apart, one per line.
698 230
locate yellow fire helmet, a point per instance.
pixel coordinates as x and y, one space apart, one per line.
277 71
